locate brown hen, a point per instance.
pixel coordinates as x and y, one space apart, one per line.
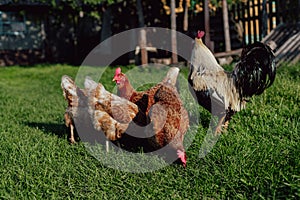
110 113
77 108
161 106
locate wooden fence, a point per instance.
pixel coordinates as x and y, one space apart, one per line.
259 17
256 17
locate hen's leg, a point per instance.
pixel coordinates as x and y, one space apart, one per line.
107 145
69 123
72 138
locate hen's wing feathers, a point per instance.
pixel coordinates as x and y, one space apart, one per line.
118 108
158 115
110 113
102 121
123 111
169 117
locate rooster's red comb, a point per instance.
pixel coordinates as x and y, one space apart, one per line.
200 34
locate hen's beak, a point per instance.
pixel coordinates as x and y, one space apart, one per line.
116 80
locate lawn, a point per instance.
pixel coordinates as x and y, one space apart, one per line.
257 158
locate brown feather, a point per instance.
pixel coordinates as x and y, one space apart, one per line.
110 113
162 103
77 104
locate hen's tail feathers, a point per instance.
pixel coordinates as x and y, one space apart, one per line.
256 71
171 76
68 86
71 92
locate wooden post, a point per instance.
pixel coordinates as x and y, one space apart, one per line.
173 33
264 28
186 16
143 44
249 23
206 25
254 19
43 35
142 36
243 8
226 26
106 31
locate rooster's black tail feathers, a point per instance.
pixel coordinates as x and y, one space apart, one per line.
256 71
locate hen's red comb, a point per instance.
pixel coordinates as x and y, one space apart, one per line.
182 156
200 34
118 71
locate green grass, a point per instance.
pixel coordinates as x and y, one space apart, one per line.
257 158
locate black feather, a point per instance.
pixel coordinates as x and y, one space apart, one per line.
256 70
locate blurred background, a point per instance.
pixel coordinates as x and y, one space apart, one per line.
65 31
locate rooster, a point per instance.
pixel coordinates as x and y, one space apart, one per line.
161 106
77 104
225 93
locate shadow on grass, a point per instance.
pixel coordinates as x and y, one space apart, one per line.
59 130
92 137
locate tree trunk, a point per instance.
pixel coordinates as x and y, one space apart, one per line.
76 59
226 26
44 39
264 28
142 36
106 30
173 33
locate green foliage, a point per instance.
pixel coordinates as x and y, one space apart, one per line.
96 2
257 158
76 5
218 3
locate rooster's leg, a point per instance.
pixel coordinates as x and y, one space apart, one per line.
218 130
225 125
72 138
